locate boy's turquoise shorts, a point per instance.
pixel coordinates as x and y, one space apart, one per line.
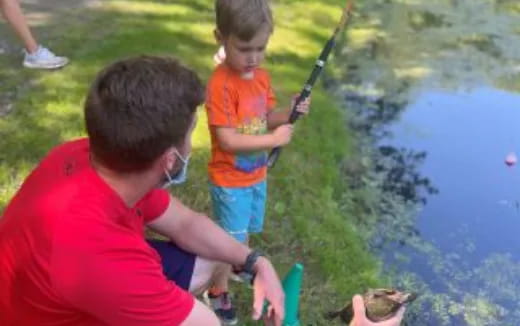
240 210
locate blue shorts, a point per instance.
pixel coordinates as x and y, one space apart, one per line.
240 210
177 264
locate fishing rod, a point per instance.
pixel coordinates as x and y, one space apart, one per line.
320 63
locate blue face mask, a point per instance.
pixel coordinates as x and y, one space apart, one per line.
180 176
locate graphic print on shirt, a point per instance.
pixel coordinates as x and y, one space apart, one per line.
255 123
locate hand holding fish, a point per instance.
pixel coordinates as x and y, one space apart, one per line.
360 317
377 307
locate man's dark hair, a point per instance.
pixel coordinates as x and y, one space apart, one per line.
139 107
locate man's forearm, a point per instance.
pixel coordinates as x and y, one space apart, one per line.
198 234
202 236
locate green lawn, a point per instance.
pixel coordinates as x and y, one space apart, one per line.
304 221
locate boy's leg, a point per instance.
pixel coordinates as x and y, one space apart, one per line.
232 210
259 192
203 274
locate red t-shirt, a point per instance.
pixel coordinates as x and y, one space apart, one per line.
234 102
72 252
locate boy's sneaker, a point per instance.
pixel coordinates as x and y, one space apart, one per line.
221 305
43 58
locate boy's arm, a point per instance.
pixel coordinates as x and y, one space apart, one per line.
232 141
277 118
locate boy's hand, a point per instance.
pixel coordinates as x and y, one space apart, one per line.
282 135
304 107
360 318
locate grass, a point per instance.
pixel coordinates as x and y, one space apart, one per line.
304 221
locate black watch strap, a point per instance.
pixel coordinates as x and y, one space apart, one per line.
247 271
251 261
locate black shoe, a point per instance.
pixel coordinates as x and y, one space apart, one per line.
221 305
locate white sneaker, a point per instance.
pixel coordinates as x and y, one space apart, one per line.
43 58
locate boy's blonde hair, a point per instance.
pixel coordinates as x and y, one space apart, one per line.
243 18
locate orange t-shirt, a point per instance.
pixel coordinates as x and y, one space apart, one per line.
234 102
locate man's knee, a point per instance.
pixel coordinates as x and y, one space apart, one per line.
201 315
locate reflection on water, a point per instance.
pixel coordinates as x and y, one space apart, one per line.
470 228
448 41
432 90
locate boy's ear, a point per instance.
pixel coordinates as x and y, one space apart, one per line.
218 36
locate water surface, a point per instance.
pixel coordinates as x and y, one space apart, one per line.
434 92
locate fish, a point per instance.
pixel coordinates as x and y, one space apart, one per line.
381 304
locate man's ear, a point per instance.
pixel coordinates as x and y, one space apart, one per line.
169 158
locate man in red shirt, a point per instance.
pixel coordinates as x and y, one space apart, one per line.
72 247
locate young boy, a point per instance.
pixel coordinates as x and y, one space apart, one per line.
243 126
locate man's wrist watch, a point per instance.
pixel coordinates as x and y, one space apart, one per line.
247 271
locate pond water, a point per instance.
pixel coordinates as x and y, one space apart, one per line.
433 88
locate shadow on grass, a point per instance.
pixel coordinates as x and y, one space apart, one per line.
48 105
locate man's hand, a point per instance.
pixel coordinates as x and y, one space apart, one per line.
304 107
267 286
283 134
360 318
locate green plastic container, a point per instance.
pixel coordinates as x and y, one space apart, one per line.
292 284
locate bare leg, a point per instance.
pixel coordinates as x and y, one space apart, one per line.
14 16
201 315
221 279
204 272
222 274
